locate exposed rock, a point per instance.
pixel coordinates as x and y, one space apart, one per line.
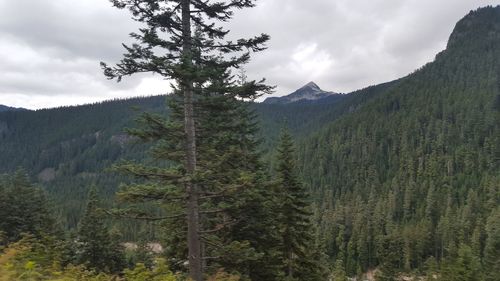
308 92
121 139
48 174
155 248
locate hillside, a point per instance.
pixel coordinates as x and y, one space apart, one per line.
67 149
67 138
416 170
4 108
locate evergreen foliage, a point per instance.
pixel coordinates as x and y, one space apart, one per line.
41 259
466 266
236 206
95 247
492 246
182 41
301 257
339 273
23 209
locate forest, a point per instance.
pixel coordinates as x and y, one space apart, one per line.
397 181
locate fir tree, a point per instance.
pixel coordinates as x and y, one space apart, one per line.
24 209
236 184
492 247
238 228
95 248
465 267
301 256
190 58
389 249
339 273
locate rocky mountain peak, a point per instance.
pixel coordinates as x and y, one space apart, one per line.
481 26
311 85
309 92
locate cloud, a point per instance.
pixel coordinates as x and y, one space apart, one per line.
367 42
51 49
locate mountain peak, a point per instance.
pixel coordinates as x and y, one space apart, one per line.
309 92
479 26
311 85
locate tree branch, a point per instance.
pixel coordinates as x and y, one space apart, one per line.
141 216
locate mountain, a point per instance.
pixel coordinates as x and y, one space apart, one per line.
413 175
8 108
308 92
404 174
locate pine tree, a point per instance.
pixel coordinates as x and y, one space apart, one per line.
189 58
24 208
116 255
238 229
492 247
299 246
465 267
389 249
231 154
339 273
95 248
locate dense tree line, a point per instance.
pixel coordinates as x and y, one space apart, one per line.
33 247
89 139
24 209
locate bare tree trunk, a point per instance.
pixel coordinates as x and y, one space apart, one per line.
193 215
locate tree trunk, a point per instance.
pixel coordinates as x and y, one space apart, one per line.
193 216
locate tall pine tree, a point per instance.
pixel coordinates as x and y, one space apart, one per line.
301 255
95 247
169 47
239 232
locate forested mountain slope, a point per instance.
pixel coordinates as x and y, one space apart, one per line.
416 170
68 149
86 139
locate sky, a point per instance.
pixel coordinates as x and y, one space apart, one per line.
51 49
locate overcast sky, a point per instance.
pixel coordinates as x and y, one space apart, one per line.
51 49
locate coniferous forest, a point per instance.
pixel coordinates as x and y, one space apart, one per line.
397 181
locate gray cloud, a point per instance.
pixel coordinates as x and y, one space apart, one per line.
50 49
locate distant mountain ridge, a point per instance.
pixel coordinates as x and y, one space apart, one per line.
8 108
309 92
